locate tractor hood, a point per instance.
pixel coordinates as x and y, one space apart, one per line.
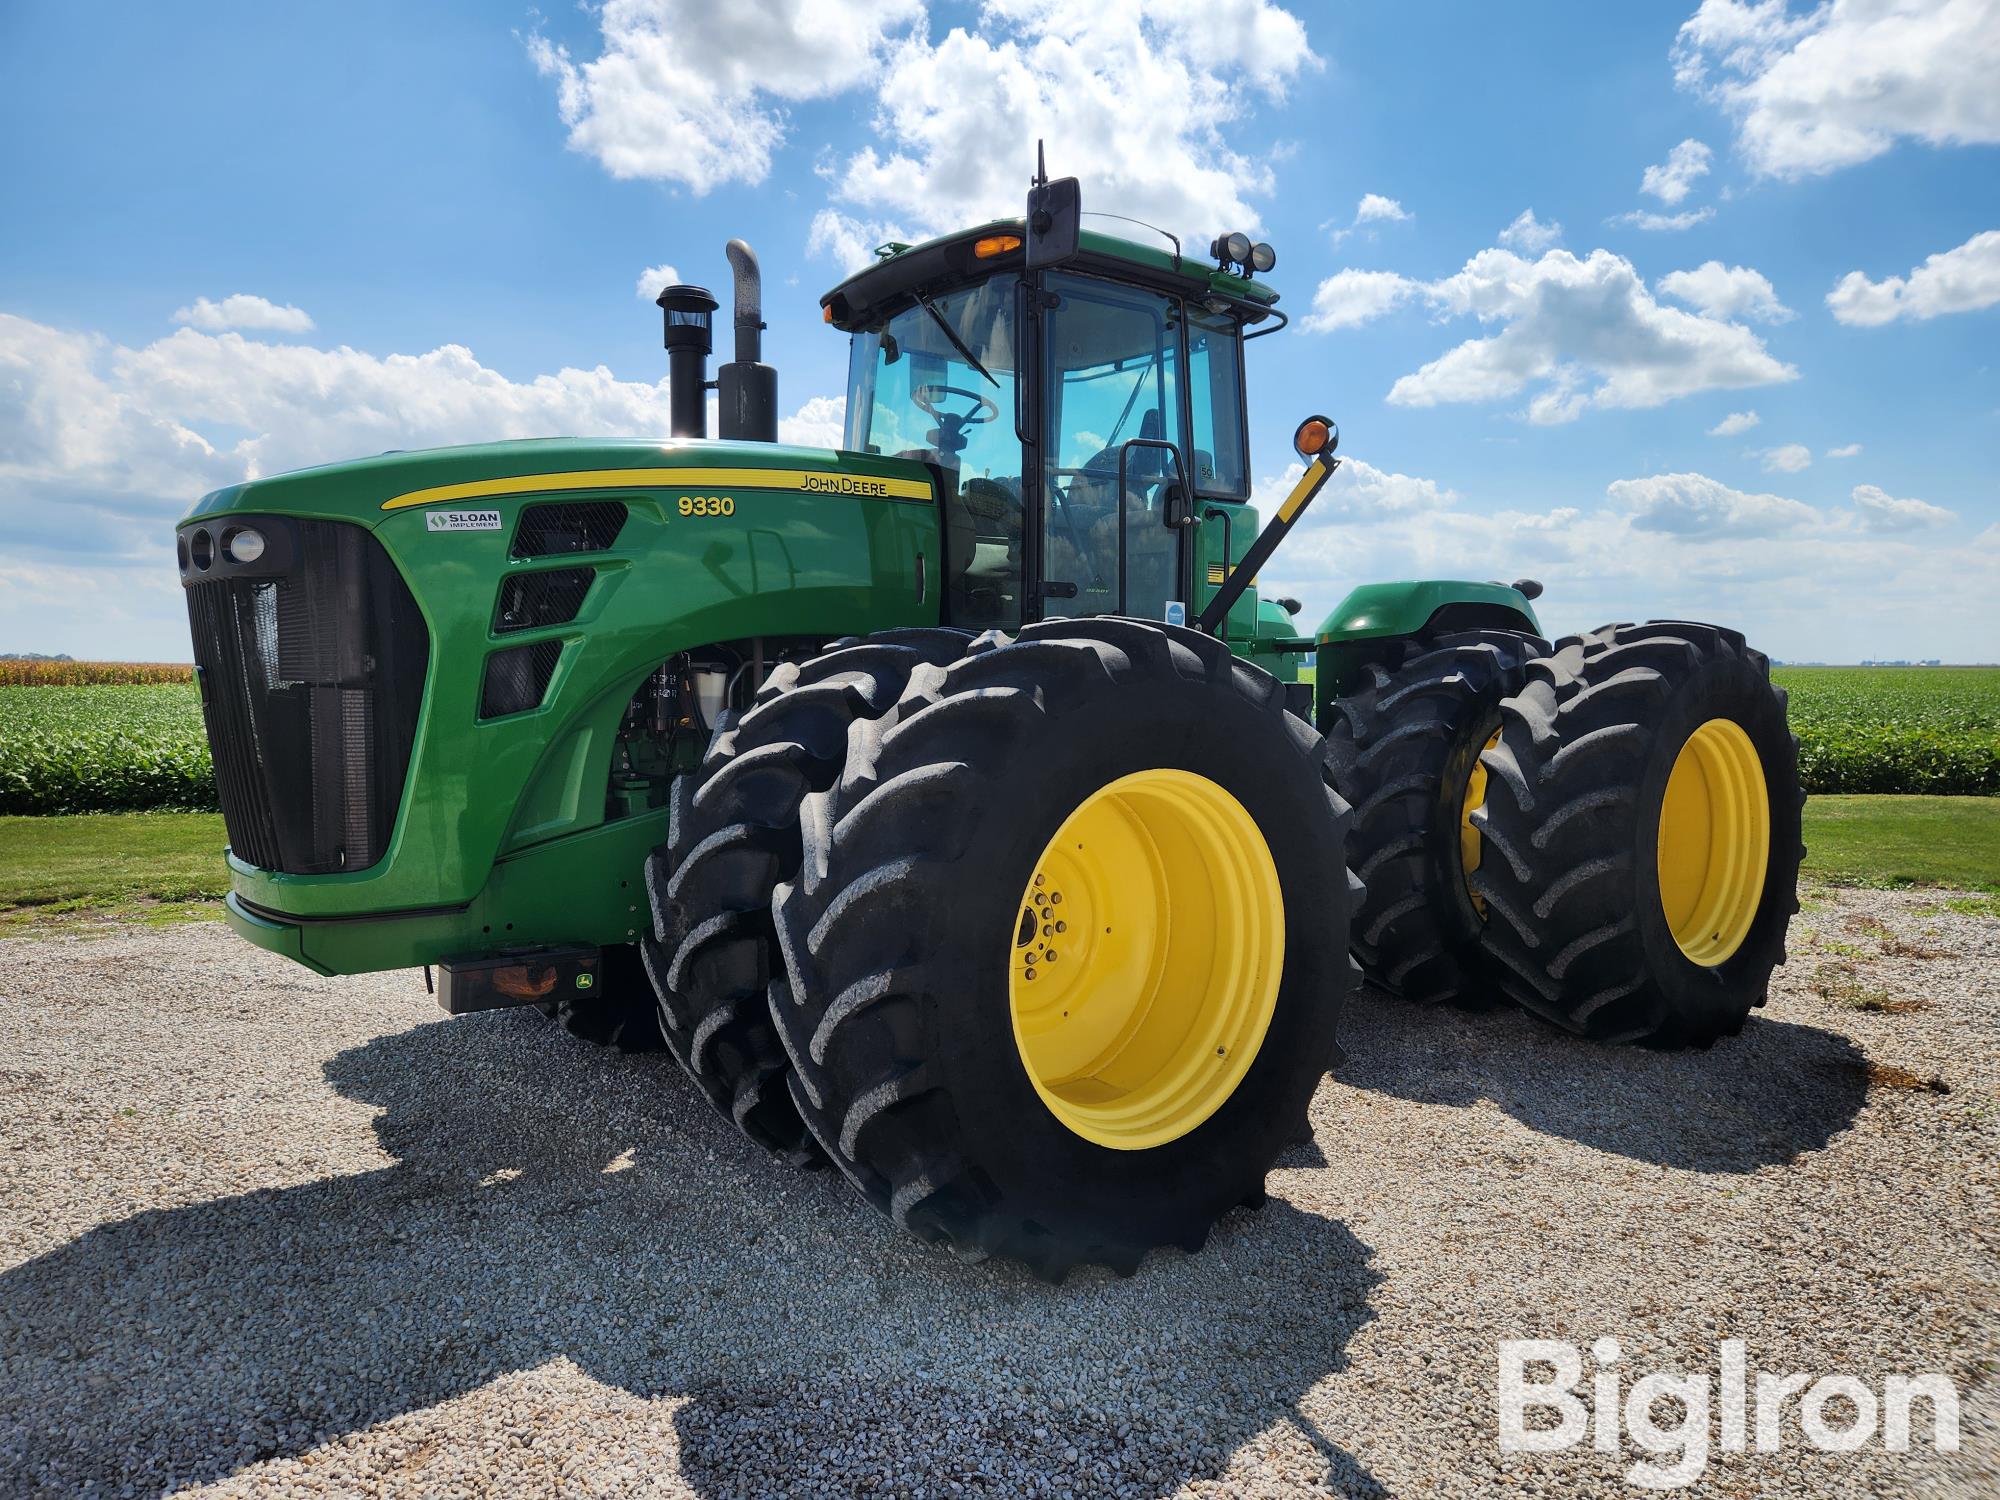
415 666
373 490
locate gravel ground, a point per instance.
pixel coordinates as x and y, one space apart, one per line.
263 1233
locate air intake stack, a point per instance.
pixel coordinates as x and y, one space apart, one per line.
690 315
748 389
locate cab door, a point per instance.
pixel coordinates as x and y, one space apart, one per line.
1114 450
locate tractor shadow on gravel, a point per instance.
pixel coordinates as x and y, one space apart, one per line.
1776 1092
550 1202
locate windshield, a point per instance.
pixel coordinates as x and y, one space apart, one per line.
912 394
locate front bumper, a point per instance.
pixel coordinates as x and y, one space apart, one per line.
586 889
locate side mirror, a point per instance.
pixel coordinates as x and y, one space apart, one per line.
1055 220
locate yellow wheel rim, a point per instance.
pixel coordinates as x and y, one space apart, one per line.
1144 959
1715 842
1468 836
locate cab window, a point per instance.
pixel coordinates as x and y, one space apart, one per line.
1215 400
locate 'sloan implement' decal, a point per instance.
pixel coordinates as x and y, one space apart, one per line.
810 481
462 520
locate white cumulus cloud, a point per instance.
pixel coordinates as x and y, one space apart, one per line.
1881 511
850 242
1348 298
1847 450
1374 206
1787 458
1694 503
1824 88
1726 292
1671 180
1530 235
1965 279
1142 99
104 446
1585 332
241 310
1357 489
692 92
1735 422
654 280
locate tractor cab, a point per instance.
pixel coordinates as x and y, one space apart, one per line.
1084 418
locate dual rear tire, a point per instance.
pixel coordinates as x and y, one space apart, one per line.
1606 831
1641 828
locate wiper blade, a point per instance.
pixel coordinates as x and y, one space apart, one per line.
956 342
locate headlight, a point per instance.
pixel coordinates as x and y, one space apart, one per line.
244 545
1262 257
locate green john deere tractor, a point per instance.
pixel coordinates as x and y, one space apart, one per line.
948 804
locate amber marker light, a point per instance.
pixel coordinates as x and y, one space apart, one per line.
995 244
1316 436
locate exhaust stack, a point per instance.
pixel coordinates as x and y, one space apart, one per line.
690 315
747 388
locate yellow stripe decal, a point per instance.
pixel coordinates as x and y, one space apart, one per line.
813 481
1308 485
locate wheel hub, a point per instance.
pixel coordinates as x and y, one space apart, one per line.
1145 958
1715 842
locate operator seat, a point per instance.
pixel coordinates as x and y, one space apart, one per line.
1082 537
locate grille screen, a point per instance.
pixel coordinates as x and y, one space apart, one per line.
574 526
531 600
312 676
517 679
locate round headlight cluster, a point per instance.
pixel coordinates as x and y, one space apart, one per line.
1252 258
200 549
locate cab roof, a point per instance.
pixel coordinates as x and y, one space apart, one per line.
894 281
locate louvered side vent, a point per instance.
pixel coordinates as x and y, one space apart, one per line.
572 526
518 679
529 601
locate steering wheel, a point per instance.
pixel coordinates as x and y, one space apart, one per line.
926 398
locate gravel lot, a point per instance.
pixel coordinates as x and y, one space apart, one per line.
265 1233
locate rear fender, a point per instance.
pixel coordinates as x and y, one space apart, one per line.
1373 615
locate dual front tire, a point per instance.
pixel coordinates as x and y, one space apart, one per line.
1055 961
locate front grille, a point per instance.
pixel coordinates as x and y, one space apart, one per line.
568 526
311 663
528 601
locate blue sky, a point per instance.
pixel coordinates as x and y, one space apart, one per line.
1536 257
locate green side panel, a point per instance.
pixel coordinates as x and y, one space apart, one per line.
834 559
1224 532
